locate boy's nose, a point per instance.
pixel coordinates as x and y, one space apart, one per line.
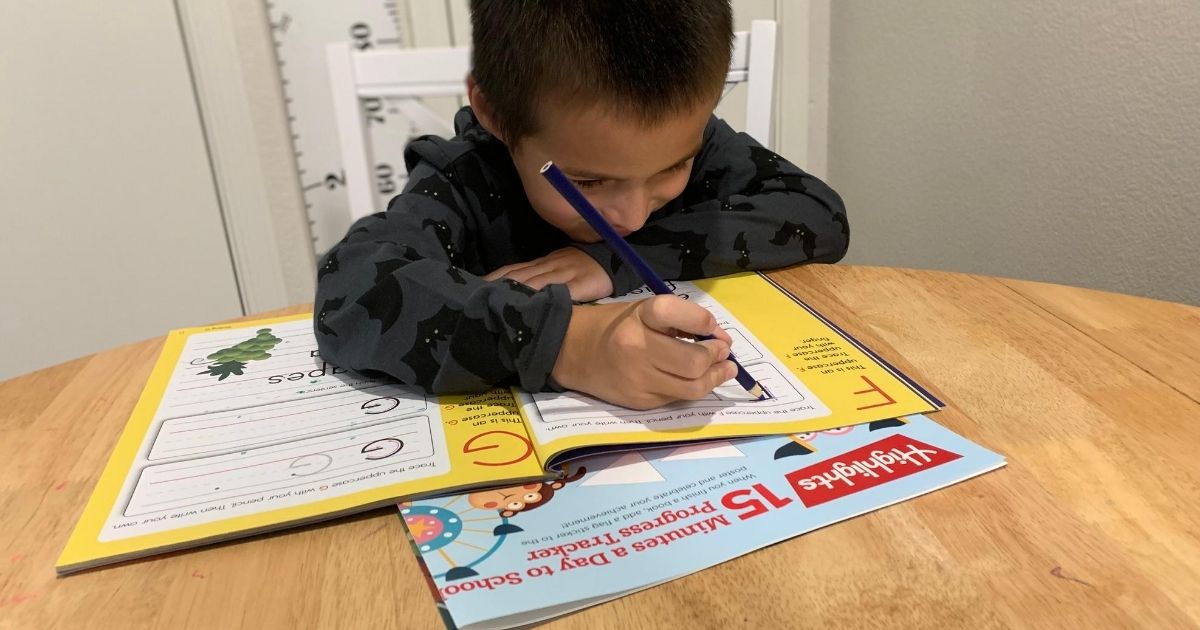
627 223
631 213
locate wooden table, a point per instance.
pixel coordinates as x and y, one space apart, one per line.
1095 523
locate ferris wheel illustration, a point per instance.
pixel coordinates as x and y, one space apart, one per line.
454 537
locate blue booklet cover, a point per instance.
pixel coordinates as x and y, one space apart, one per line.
621 522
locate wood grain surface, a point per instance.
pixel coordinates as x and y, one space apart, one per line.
1095 522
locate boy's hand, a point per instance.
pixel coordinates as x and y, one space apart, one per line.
627 352
584 277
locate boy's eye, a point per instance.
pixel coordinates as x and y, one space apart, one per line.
686 164
587 183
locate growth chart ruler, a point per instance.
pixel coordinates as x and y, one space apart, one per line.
300 30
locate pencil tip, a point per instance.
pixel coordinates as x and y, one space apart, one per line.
758 392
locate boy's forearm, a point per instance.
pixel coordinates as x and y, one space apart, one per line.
417 324
394 298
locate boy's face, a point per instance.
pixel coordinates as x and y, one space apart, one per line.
624 167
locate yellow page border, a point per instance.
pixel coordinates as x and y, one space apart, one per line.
84 547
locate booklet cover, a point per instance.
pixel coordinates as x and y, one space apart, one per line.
621 522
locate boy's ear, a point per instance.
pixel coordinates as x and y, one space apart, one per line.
481 106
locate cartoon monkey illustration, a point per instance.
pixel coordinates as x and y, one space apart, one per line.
512 500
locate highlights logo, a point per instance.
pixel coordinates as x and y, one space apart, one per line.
866 467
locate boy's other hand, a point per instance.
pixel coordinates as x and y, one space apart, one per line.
629 353
584 277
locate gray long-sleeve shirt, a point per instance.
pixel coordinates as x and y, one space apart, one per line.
402 295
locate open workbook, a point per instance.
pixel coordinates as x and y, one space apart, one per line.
245 428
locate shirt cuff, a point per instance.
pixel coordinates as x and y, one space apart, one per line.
537 361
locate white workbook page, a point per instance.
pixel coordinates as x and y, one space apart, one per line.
253 419
557 415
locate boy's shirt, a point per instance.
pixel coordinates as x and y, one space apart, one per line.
401 294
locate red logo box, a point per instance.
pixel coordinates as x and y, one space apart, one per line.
865 467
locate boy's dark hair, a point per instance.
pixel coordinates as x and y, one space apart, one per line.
650 58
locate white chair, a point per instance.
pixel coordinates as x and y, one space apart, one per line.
409 75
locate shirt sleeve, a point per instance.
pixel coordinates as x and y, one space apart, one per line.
744 209
394 297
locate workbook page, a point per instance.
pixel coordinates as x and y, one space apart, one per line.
253 419
554 416
245 428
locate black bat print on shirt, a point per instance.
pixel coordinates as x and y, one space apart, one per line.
441 230
767 169
438 189
789 231
692 247
431 332
330 266
384 299
327 307
743 249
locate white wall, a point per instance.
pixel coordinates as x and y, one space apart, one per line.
1055 140
111 229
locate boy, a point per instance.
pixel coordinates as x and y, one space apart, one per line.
468 280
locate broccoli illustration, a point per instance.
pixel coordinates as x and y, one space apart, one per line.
233 360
